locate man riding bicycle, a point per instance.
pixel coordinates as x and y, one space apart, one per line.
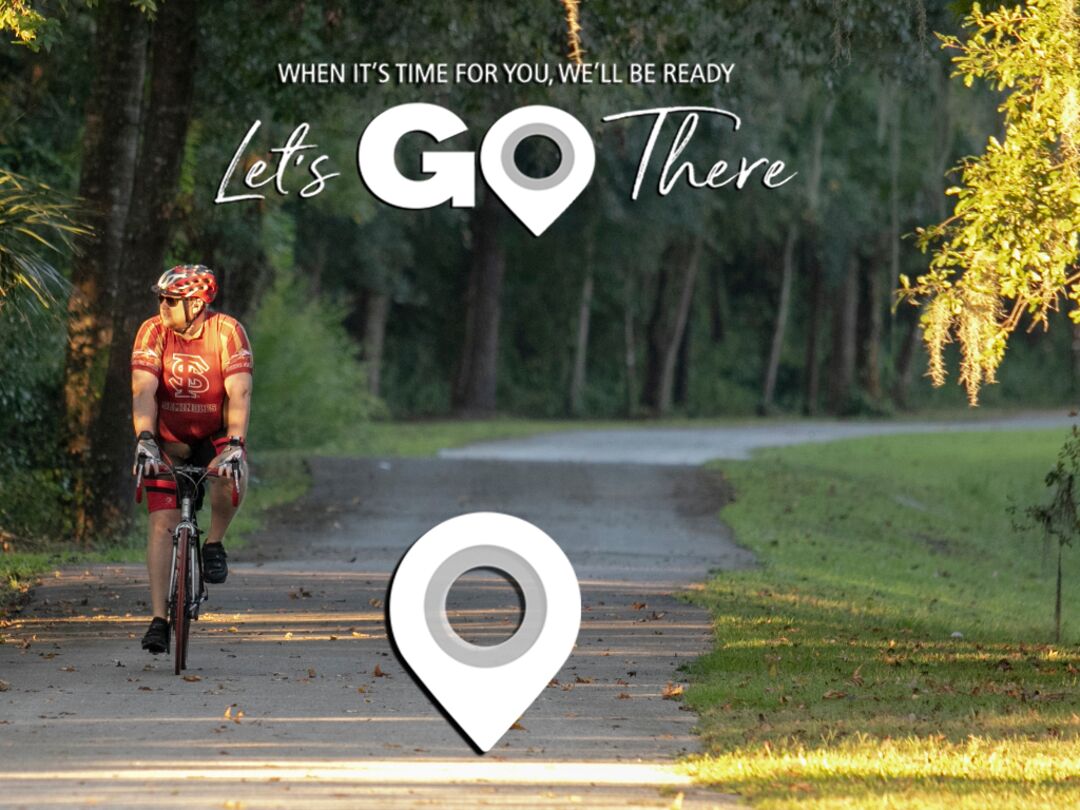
191 396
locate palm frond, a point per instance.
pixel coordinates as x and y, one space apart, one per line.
37 226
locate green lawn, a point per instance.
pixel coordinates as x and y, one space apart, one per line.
837 680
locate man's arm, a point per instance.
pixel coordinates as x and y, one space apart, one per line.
144 410
238 390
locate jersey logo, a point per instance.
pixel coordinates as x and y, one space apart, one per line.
188 376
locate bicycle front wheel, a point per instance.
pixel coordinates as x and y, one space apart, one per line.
180 601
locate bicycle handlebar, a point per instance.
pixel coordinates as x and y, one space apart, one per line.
193 473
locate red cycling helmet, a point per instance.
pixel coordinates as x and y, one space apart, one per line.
188 281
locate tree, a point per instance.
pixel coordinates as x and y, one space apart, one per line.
110 141
1011 246
104 490
1060 518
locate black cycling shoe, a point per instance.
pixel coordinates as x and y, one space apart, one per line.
156 639
215 569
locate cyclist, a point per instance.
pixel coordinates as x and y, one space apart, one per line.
191 396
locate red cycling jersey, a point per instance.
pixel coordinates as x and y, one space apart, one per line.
191 373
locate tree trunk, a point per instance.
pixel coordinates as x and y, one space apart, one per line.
813 368
173 42
655 335
905 361
110 141
682 314
845 322
718 303
874 320
945 131
681 391
474 388
783 307
581 345
377 311
629 345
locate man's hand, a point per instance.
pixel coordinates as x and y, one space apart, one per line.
147 455
231 459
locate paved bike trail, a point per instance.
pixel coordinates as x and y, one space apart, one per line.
297 642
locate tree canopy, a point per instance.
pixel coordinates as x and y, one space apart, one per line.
1010 246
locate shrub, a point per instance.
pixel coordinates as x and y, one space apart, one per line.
309 386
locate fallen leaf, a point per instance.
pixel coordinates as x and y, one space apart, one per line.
671 691
639 606
4 686
623 696
856 677
234 629
377 672
192 678
518 727
579 679
375 603
311 672
834 694
553 682
361 689
360 635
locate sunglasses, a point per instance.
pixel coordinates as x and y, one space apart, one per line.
165 299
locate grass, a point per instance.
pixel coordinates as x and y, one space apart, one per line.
838 678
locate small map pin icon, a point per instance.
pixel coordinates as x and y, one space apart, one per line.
537 201
485 689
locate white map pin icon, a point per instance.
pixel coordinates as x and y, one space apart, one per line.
485 689
537 201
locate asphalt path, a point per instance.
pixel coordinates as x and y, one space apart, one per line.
296 641
696 445
295 696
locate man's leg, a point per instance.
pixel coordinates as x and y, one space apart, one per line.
222 510
159 557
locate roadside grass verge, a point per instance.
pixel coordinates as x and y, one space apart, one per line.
838 679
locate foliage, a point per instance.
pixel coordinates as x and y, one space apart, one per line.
838 677
1011 245
32 479
309 386
30 27
36 226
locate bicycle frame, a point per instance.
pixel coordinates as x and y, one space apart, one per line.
186 595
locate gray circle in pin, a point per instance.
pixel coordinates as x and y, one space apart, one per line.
514 566
566 156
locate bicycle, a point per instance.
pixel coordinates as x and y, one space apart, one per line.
187 588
